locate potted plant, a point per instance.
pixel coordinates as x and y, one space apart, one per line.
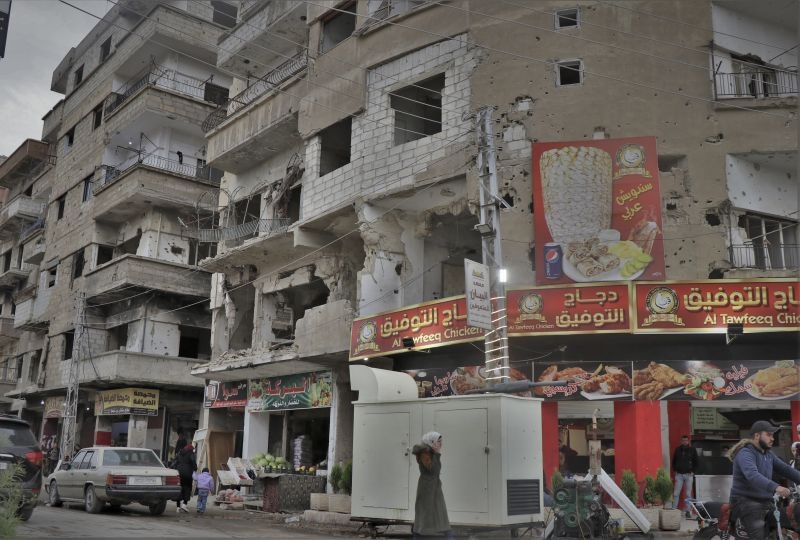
650 498
340 500
629 486
669 518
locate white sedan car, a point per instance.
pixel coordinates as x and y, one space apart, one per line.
116 476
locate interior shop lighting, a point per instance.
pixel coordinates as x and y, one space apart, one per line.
502 275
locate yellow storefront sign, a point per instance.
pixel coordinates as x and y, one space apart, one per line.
142 401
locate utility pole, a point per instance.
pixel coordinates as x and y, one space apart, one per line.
496 339
70 417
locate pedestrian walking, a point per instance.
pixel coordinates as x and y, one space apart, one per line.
430 510
186 465
684 463
205 485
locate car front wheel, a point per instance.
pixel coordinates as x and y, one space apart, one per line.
91 502
158 508
55 500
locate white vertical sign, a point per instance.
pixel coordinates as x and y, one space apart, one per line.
479 297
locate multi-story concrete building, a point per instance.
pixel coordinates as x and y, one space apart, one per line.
115 288
351 188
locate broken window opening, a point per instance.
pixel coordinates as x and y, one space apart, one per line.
201 250
52 276
240 319
194 342
87 188
771 243
69 342
338 27
77 264
35 366
28 191
215 94
418 110
668 162
117 338
7 261
61 203
335 141
567 18
104 254
105 50
70 137
569 72
78 76
293 203
131 246
20 258
97 116
224 13
296 300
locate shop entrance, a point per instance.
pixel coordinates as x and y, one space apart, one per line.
308 432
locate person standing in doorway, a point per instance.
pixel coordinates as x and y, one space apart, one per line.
684 463
187 466
430 510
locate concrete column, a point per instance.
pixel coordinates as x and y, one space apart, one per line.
340 435
102 431
549 438
137 431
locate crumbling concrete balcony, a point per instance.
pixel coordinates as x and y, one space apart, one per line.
19 212
7 331
31 309
12 275
26 162
153 182
34 245
258 130
132 274
129 367
267 32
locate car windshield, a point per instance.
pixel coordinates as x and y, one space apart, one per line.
131 458
14 434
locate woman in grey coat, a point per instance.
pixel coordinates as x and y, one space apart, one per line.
430 511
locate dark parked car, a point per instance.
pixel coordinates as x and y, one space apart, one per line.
18 446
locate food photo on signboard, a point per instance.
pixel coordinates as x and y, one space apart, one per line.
440 382
585 381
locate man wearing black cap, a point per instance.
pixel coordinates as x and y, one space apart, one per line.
753 487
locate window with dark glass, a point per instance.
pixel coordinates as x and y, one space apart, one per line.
105 50
78 75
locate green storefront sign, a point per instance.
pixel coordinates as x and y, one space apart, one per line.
301 391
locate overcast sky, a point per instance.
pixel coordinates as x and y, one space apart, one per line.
40 34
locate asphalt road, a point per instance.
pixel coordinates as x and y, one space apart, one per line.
134 522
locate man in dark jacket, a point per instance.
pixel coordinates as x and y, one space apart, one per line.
753 487
684 463
186 465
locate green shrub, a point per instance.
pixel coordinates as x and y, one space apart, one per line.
663 486
650 494
335 477
346 483
629 486
11 487
556 481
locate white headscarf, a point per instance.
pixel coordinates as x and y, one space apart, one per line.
431 437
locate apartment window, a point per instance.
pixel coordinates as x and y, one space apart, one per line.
569 72
338 27
105 50
104 254
7 261
567 18
61 203
78 261
335 142
215 94
70 137
418 110
771 244
97 116
383 9
88 184
224 13
78 76
69 343
35 367
52 274
753 79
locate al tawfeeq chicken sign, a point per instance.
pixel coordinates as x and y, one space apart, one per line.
597 211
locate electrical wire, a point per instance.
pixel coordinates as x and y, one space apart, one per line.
551 63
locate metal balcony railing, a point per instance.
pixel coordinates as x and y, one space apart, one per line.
261 86
30 229
761 83
108 174
168 79
251 229
766 257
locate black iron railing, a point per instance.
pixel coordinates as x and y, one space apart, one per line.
261 86
762 83
108 174
30 229
168 79
766 256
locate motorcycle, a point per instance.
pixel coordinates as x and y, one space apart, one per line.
714 519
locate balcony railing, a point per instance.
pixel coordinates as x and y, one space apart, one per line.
30 229
251 229
108 174
168 79
261 86
766 257
762 83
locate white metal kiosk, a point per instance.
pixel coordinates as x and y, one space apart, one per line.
491 460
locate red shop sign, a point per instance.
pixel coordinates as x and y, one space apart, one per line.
711 305
569 309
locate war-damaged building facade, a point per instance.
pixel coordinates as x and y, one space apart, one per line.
351 191
100 273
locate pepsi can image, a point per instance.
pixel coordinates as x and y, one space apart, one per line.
552 260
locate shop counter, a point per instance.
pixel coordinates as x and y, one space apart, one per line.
285 492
